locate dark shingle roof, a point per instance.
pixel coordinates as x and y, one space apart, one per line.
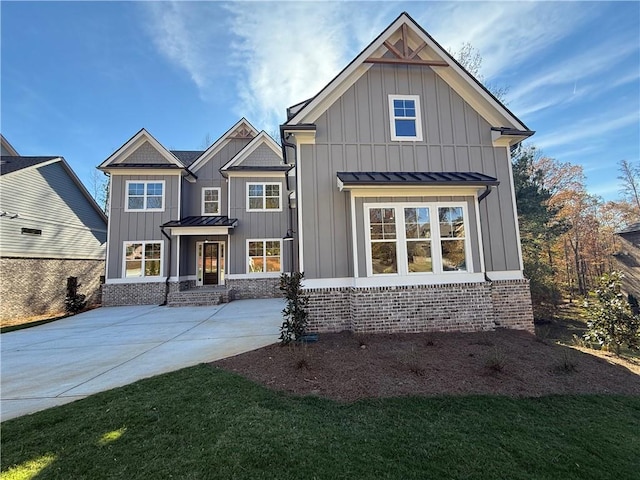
187 157
13 164
417 178
197 221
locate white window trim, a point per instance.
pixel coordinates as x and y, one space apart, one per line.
264 256
144 209
143 242
204 190
401 244
418 119
264 197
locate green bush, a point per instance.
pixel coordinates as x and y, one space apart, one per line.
295 312
611 322
74 301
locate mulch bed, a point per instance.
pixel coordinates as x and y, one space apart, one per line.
348 367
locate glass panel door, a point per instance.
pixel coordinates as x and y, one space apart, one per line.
210 264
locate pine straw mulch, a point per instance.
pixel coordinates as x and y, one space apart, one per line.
348 367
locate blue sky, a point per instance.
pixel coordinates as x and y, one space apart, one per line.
80 78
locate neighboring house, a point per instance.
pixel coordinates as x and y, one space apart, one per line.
406 214
196 227
394 184
50 229
627 260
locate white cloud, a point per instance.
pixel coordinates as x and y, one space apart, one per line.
191 36
589 130
284 54
505 33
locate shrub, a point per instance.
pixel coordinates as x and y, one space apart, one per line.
295 312
611 322
74 301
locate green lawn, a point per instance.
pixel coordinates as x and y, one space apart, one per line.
201 422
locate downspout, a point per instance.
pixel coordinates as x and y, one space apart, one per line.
166 283
286 144
482 196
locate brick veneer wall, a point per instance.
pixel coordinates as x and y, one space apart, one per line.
241 288
38 286
512 304
151 293
463 307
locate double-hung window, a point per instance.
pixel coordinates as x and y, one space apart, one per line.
142 259
264 256
144 196
264 197
210 201
405 119
407 239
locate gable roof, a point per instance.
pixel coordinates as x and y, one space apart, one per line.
428 52
133 144
263 138
187 157
7 146
15 163
242 129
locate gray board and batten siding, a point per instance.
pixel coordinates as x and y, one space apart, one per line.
209 176
256 225
139 226
353 134
46 198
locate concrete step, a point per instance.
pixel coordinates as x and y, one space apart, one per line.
203 296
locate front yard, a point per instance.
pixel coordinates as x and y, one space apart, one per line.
203 422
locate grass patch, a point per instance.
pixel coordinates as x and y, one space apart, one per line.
203 422
35 323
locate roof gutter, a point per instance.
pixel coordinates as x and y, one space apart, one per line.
485 194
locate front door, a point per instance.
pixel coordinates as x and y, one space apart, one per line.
210 263
210 260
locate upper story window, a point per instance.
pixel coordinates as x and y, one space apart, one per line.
264 197
210 201
404 115
406 239
144 196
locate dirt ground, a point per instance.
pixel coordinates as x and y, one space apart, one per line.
348 367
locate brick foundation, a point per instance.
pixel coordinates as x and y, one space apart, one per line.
466 307
151 293
37 286
242 288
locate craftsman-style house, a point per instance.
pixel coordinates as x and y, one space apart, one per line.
393 184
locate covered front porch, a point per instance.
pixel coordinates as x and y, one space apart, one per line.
202 246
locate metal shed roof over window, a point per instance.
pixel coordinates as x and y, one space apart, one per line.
346 180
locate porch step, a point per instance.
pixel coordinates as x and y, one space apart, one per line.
196 297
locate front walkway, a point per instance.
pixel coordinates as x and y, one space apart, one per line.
63 361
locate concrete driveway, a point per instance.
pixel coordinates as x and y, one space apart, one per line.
105 348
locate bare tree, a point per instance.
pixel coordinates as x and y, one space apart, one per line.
206 143
99 189
630 178
469 57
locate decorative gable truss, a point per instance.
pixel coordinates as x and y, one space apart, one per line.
404 42
242 130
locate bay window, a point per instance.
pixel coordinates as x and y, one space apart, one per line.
409 239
